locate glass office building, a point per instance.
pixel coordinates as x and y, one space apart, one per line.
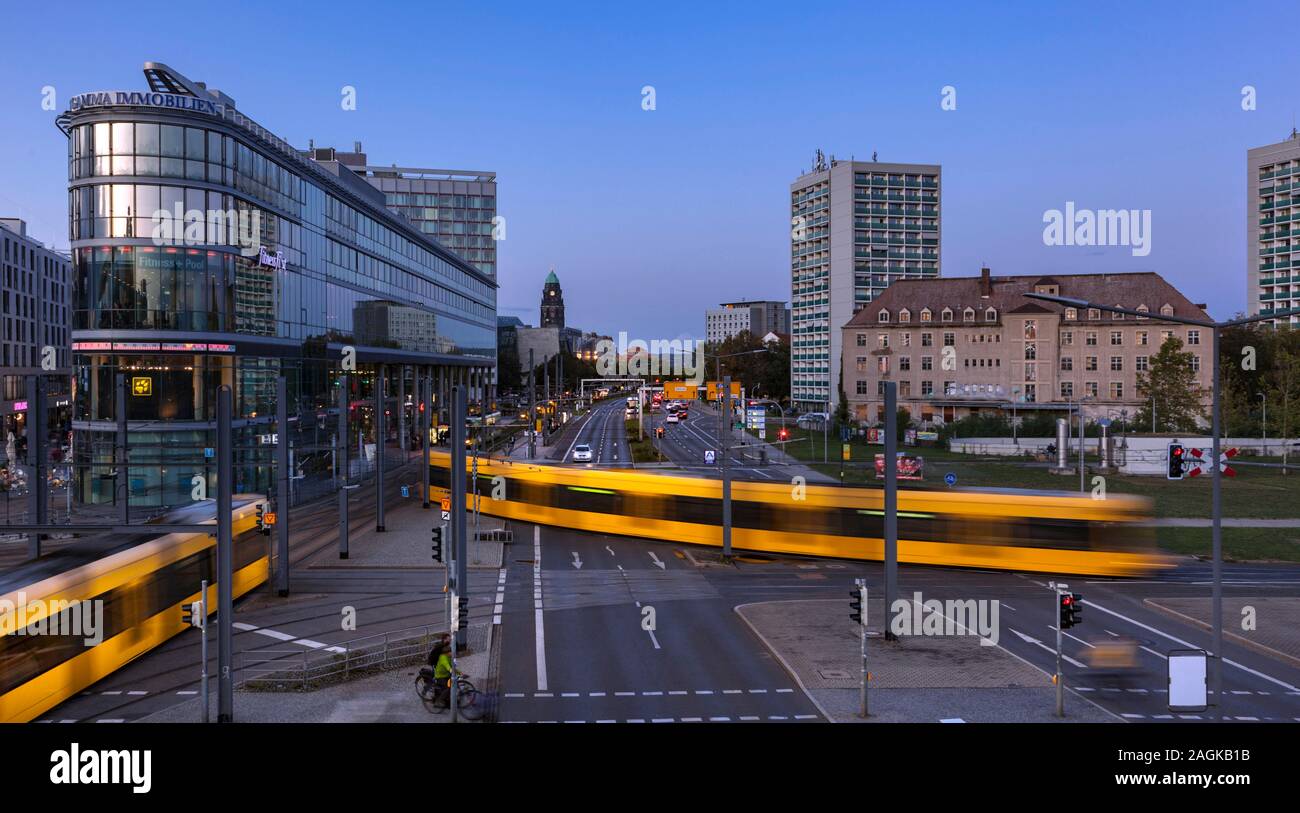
207 251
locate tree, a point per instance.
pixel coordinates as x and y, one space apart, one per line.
1171 380
508 369
766 375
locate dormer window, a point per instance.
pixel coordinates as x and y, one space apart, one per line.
1166 309
904 315
926 316
1071 314
991 315
1093 313
1143 309
968 315
946 315
1117 315
883 316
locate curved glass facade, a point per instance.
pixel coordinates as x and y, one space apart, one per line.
205 254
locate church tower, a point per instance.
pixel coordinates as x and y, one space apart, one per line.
552 302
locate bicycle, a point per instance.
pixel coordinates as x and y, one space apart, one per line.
469 700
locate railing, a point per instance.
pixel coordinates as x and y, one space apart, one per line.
306 669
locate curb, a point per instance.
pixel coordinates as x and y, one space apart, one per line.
821 709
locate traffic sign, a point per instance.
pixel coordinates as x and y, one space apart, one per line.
208 451
1199 463
268 518
1103 422
142 385
950 479
446 503
710 456
446 516
455 612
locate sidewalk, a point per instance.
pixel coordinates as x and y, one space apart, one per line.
917 679
1276 632
406 542
388 697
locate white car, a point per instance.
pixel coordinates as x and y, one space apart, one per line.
582 453
671 418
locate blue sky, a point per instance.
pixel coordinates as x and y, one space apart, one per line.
650 217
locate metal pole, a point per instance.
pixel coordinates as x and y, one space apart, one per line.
122 488
203 675
426 392
401 410
891 502
37 437
225 558
459 541
546 406
1264 422
726 470
1060 679
862 634
1082 467
343 444
1217 489
282 481
380 430
532 408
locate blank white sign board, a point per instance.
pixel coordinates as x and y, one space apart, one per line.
1187 685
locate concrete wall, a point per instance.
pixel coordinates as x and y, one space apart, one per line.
1135 455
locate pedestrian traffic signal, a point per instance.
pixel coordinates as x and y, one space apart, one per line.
855 606
192 614
1071 610
437 544
262 527
1175 460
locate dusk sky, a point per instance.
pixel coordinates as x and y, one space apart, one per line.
650 217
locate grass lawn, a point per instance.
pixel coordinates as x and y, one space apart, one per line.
643 451
1239 544
1254 492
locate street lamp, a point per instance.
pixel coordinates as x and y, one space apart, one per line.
1216 478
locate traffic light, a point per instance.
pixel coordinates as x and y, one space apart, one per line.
1175 459
784 434
1071 610
261 518
437 544
855 606
192 614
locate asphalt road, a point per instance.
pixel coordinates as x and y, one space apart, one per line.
686 442
600 627
603 431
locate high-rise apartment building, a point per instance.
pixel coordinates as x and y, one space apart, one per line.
855 227
1272 242
455 207
758 317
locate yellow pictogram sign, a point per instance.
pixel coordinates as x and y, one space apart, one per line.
268 518
446 503
142 385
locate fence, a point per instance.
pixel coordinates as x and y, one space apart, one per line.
310 669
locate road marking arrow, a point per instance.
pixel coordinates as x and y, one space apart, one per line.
658 563
576 561
611 550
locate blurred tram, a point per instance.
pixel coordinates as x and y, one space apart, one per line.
1005 529
143 580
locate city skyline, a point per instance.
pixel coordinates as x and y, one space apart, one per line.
1097 128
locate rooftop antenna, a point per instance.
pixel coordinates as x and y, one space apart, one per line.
873 156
